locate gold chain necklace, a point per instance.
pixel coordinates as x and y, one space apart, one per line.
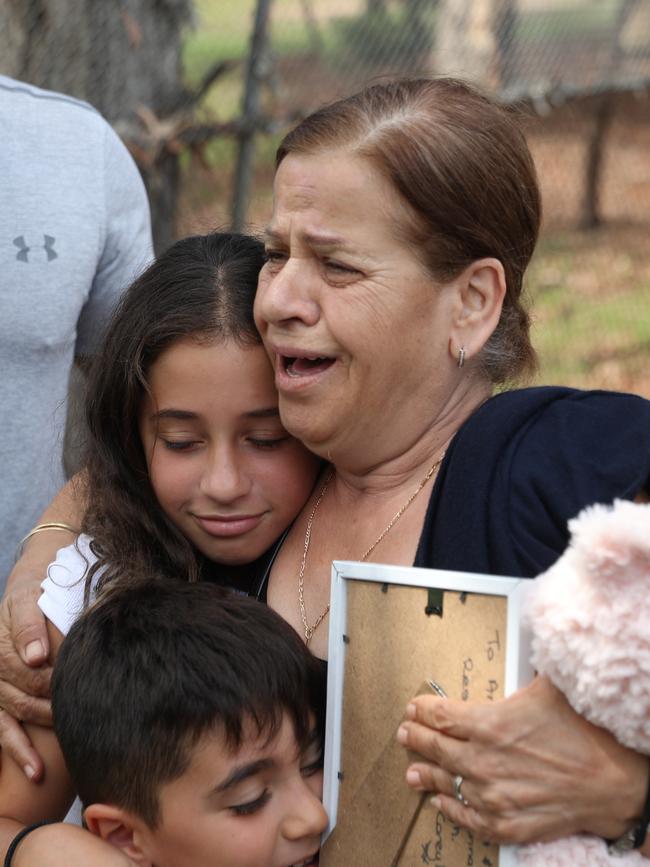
309 630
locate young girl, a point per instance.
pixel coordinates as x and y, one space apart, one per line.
213 479
191 475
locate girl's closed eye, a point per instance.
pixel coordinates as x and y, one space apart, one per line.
269 442
180 445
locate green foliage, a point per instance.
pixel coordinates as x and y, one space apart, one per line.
575 20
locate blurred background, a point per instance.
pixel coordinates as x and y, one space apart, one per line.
202 90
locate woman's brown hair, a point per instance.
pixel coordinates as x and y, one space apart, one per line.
462 165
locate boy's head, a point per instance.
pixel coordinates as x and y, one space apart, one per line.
190 723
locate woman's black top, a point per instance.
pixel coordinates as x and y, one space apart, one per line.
521 466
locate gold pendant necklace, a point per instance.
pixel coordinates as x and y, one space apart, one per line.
309 630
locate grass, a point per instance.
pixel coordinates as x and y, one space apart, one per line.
224 30
222 33
591 302
569 22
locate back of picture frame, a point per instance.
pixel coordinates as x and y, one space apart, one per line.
392 631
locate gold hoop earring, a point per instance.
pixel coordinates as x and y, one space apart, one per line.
461 356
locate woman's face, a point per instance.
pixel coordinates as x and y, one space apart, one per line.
358 331
221 465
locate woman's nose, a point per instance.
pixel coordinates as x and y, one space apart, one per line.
224 478
286 294
307 818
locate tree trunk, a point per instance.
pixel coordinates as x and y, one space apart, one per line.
590 215
312 27
590 212
12 35
257 70
505 26
118 56
465 40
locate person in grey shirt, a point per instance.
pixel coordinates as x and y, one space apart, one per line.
74 231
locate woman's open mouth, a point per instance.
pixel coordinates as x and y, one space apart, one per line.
309 862
298 367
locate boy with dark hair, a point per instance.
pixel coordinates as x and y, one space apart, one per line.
190 722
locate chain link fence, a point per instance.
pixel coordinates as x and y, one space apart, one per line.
202 91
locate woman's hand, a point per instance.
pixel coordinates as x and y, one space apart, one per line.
24 673
532 769
25 643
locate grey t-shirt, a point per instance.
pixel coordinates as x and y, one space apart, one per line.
74 231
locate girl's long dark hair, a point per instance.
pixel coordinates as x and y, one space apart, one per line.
202 287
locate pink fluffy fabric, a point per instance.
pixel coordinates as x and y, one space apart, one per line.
578 851
589 616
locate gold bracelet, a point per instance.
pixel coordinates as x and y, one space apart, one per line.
39 528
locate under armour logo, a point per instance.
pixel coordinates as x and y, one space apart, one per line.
23 249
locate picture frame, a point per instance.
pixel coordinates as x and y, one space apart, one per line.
392 631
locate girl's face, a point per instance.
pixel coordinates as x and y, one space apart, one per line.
223 468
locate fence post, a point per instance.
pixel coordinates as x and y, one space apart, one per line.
605 105
256 73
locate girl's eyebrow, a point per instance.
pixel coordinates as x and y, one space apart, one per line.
267 412
264 412
241 773
173 413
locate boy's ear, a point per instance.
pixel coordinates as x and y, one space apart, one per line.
119 828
